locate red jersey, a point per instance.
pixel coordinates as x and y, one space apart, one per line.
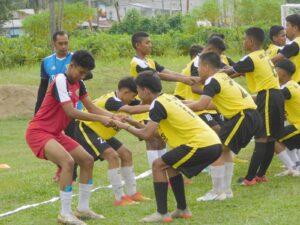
51 117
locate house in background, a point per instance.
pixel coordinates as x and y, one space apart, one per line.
13 27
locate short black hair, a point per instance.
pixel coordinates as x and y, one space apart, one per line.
211 58
83 59
274 31
257 33
127 82
219 35
287 65
58 33
149 79
294 19
195 50
138 37
217 43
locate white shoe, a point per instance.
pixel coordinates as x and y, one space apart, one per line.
69 219
157 217
229 194
88 215
212 196
285 173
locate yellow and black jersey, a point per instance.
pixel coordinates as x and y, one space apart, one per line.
227 95
291 92
178 125
292 51
138 65
272 50
182 90
111 103
226 60
259 71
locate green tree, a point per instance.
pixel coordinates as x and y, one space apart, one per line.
5 9
37 26
210 10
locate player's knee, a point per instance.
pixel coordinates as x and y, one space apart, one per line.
125 155
68 164
111 156
157 165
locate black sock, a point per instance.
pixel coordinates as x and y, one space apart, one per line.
267 159
75 172
161 196
256 159
178 190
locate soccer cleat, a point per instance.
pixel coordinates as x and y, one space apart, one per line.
229 194
69 219
157 217
294 173
181 213
212 196
245 182
125 200
88 214
261 179
139 197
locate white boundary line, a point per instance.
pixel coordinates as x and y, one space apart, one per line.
54 199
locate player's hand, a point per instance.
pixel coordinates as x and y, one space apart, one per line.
108 122
119 117
195 80
119 125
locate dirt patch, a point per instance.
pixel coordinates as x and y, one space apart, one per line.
17 100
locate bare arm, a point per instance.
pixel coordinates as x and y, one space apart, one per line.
145 133
169 75
77 114
277 58
200 105
134 109
197 89
135 123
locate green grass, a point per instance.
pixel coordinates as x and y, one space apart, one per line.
29 179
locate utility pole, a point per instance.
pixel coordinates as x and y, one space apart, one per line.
116 4
187 6
52 17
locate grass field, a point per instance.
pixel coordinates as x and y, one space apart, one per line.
29 179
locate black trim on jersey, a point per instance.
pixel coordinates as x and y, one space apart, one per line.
112 104
158 112
82 88
55 93
244 65
286 93
158 67
135 102
290 50
230 61
212 88
194 71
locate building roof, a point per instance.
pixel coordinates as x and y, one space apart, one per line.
13 24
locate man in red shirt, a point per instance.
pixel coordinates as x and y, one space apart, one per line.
45 135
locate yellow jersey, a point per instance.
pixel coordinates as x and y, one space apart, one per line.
138 65
272 50
291 92
296 60
178 125
228 96
264 75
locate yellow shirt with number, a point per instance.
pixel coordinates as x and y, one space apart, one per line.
182 126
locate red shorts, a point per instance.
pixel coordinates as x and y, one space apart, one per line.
37 139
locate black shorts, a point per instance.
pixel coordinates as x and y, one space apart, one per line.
237 132
179 97
290 137
92 143
70 129
270 105
209 119
191 161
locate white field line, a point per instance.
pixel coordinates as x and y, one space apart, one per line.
54 199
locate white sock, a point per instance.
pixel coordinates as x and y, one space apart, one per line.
152 155
161 152
115 179
298 153
130 182
84 197
285 159
217 176
293 155
66 202
228 175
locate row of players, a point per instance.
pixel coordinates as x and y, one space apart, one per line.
194 145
